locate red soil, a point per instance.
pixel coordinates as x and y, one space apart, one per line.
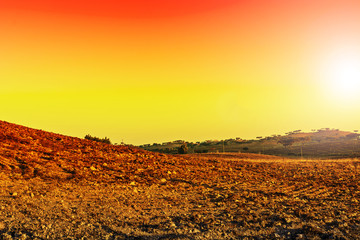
60 187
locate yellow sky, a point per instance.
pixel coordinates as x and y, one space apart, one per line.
238 71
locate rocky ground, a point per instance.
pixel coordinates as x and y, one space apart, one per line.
58 187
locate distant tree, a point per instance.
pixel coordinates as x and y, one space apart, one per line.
205 144
183 149
302 140
286 142
305 139
245 148
352 136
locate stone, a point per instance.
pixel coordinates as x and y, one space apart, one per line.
23 237
2 226
195 230
6 236
300 236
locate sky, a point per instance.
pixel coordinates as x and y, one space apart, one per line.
155 71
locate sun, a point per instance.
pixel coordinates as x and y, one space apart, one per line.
341 75
346 75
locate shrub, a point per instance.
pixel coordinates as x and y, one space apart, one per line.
183 149
97 139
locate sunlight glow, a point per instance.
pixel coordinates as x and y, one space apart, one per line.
342 75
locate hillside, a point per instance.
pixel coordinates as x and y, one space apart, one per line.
322 143
59 187
29 153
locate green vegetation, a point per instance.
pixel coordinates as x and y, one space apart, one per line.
322 143
183 149
96 139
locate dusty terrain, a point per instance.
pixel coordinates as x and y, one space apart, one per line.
58 187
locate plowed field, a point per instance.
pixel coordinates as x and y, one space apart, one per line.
59 187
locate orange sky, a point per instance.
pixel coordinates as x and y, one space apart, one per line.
154 71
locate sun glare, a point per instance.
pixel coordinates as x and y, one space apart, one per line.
342 75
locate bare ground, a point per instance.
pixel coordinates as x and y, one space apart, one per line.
57 187
206 198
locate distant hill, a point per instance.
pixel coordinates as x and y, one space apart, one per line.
321 143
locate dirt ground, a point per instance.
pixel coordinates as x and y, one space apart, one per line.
204 198
58 187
